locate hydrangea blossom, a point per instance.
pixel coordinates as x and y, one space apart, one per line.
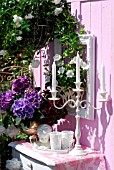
20 85
22 108
33 97
6 100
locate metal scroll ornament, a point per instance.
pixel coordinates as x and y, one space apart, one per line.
8 74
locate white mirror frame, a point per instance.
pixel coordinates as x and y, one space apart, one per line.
89 41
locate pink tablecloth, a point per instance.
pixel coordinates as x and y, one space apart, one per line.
93 160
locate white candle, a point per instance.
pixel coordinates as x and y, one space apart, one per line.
102 78
78 68
54 76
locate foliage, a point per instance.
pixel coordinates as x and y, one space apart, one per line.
27 26
21 27
66 72
50 113
5 151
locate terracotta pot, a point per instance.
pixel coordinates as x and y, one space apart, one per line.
30 131
34 124
33 128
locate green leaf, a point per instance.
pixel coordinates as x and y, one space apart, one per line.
17 120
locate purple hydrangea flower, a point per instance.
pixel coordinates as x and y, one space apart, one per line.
22 108
6 100
20 84
33 96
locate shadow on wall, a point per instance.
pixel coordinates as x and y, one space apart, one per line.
107 164
91 135
69 123
94 131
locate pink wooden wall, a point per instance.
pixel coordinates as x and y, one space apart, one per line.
98 18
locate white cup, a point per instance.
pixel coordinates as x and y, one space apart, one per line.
55 140
67 139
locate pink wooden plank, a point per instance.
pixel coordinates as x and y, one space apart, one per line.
96 28
106 39
110 70
85 9
75 9
76 0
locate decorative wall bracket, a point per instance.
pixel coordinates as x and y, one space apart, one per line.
8 74
89 41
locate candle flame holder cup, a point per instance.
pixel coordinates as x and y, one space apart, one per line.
53 94
78 84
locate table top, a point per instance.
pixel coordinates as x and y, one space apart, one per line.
93 160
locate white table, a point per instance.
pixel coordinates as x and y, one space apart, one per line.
44 160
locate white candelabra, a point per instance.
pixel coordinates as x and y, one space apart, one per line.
77 103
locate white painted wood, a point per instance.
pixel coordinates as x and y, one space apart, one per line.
28 163
89 41
88 113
